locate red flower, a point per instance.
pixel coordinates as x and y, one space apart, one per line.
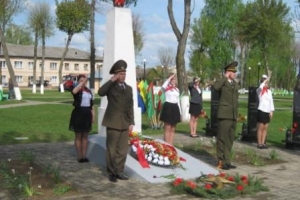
244 178
191 184
240 187
222 174
208 186
230 178
295 124
210 175
246 182
177 181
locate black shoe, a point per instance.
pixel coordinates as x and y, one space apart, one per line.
264 146
81 160
122 177
112 178
225 167
260 146
231 166
86 160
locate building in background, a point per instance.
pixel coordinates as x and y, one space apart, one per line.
21 57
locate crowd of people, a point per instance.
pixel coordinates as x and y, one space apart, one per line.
119 116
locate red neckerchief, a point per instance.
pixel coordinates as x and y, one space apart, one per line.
84 89
264 90
170 87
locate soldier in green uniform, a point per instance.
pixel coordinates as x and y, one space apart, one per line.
227 115
118 119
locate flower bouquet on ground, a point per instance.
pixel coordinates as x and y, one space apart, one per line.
222 186
154 152
203 114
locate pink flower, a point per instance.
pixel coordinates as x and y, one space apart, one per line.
191 184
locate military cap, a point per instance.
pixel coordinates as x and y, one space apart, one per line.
231 67
118 66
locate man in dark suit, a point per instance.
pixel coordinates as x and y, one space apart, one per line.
118 119
227 115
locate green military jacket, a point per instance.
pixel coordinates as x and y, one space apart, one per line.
228 103
119 111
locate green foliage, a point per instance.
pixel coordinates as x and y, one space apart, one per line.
16 34
60 189
73 16
273 154
254 158
26 156
56 174
222 186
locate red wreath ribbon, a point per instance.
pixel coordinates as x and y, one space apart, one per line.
140 154
264 90
173 149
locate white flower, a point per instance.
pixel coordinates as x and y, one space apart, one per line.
29 172
149 158
155 160
13 171
9 160
39 186
160 162
31 168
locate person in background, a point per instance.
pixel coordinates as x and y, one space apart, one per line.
171 112
11 94
227 115
264 111
82 117
118 120
195 105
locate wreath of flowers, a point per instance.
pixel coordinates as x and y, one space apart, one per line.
155 152
218 186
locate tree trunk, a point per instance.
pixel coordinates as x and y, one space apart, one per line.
92 63
182 39
62 61
10 68
43 62
0 67
34 61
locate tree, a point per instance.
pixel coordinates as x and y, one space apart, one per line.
93 51
166 57
182 39
16 34
8 8
262 24
72 17
213 41
138 33
41 22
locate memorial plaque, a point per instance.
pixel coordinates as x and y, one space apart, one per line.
212 130
251 132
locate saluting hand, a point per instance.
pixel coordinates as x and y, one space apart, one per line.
115 77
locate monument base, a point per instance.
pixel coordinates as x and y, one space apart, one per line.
191 168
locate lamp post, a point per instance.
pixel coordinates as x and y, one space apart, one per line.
258 71
144 61
249 69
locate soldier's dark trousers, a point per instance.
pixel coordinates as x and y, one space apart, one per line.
116 150
225 139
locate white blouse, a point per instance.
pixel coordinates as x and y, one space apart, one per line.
86 99
172 94
266 103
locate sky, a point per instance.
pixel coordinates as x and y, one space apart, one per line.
156 26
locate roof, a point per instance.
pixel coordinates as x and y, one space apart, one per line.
25 51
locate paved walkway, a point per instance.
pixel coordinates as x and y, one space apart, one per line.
92 182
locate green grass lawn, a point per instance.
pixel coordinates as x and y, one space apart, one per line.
49 122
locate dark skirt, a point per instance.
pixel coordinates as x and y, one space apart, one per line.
263 117
195 109
81 120
170 113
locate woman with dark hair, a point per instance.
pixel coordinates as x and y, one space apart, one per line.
195 105
264 112
170 113
82 117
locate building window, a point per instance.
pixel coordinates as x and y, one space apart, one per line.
53 79
85 67
18 64
30 65
53 66
76 67
99 66
19 79
67 66
4 79
2 64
